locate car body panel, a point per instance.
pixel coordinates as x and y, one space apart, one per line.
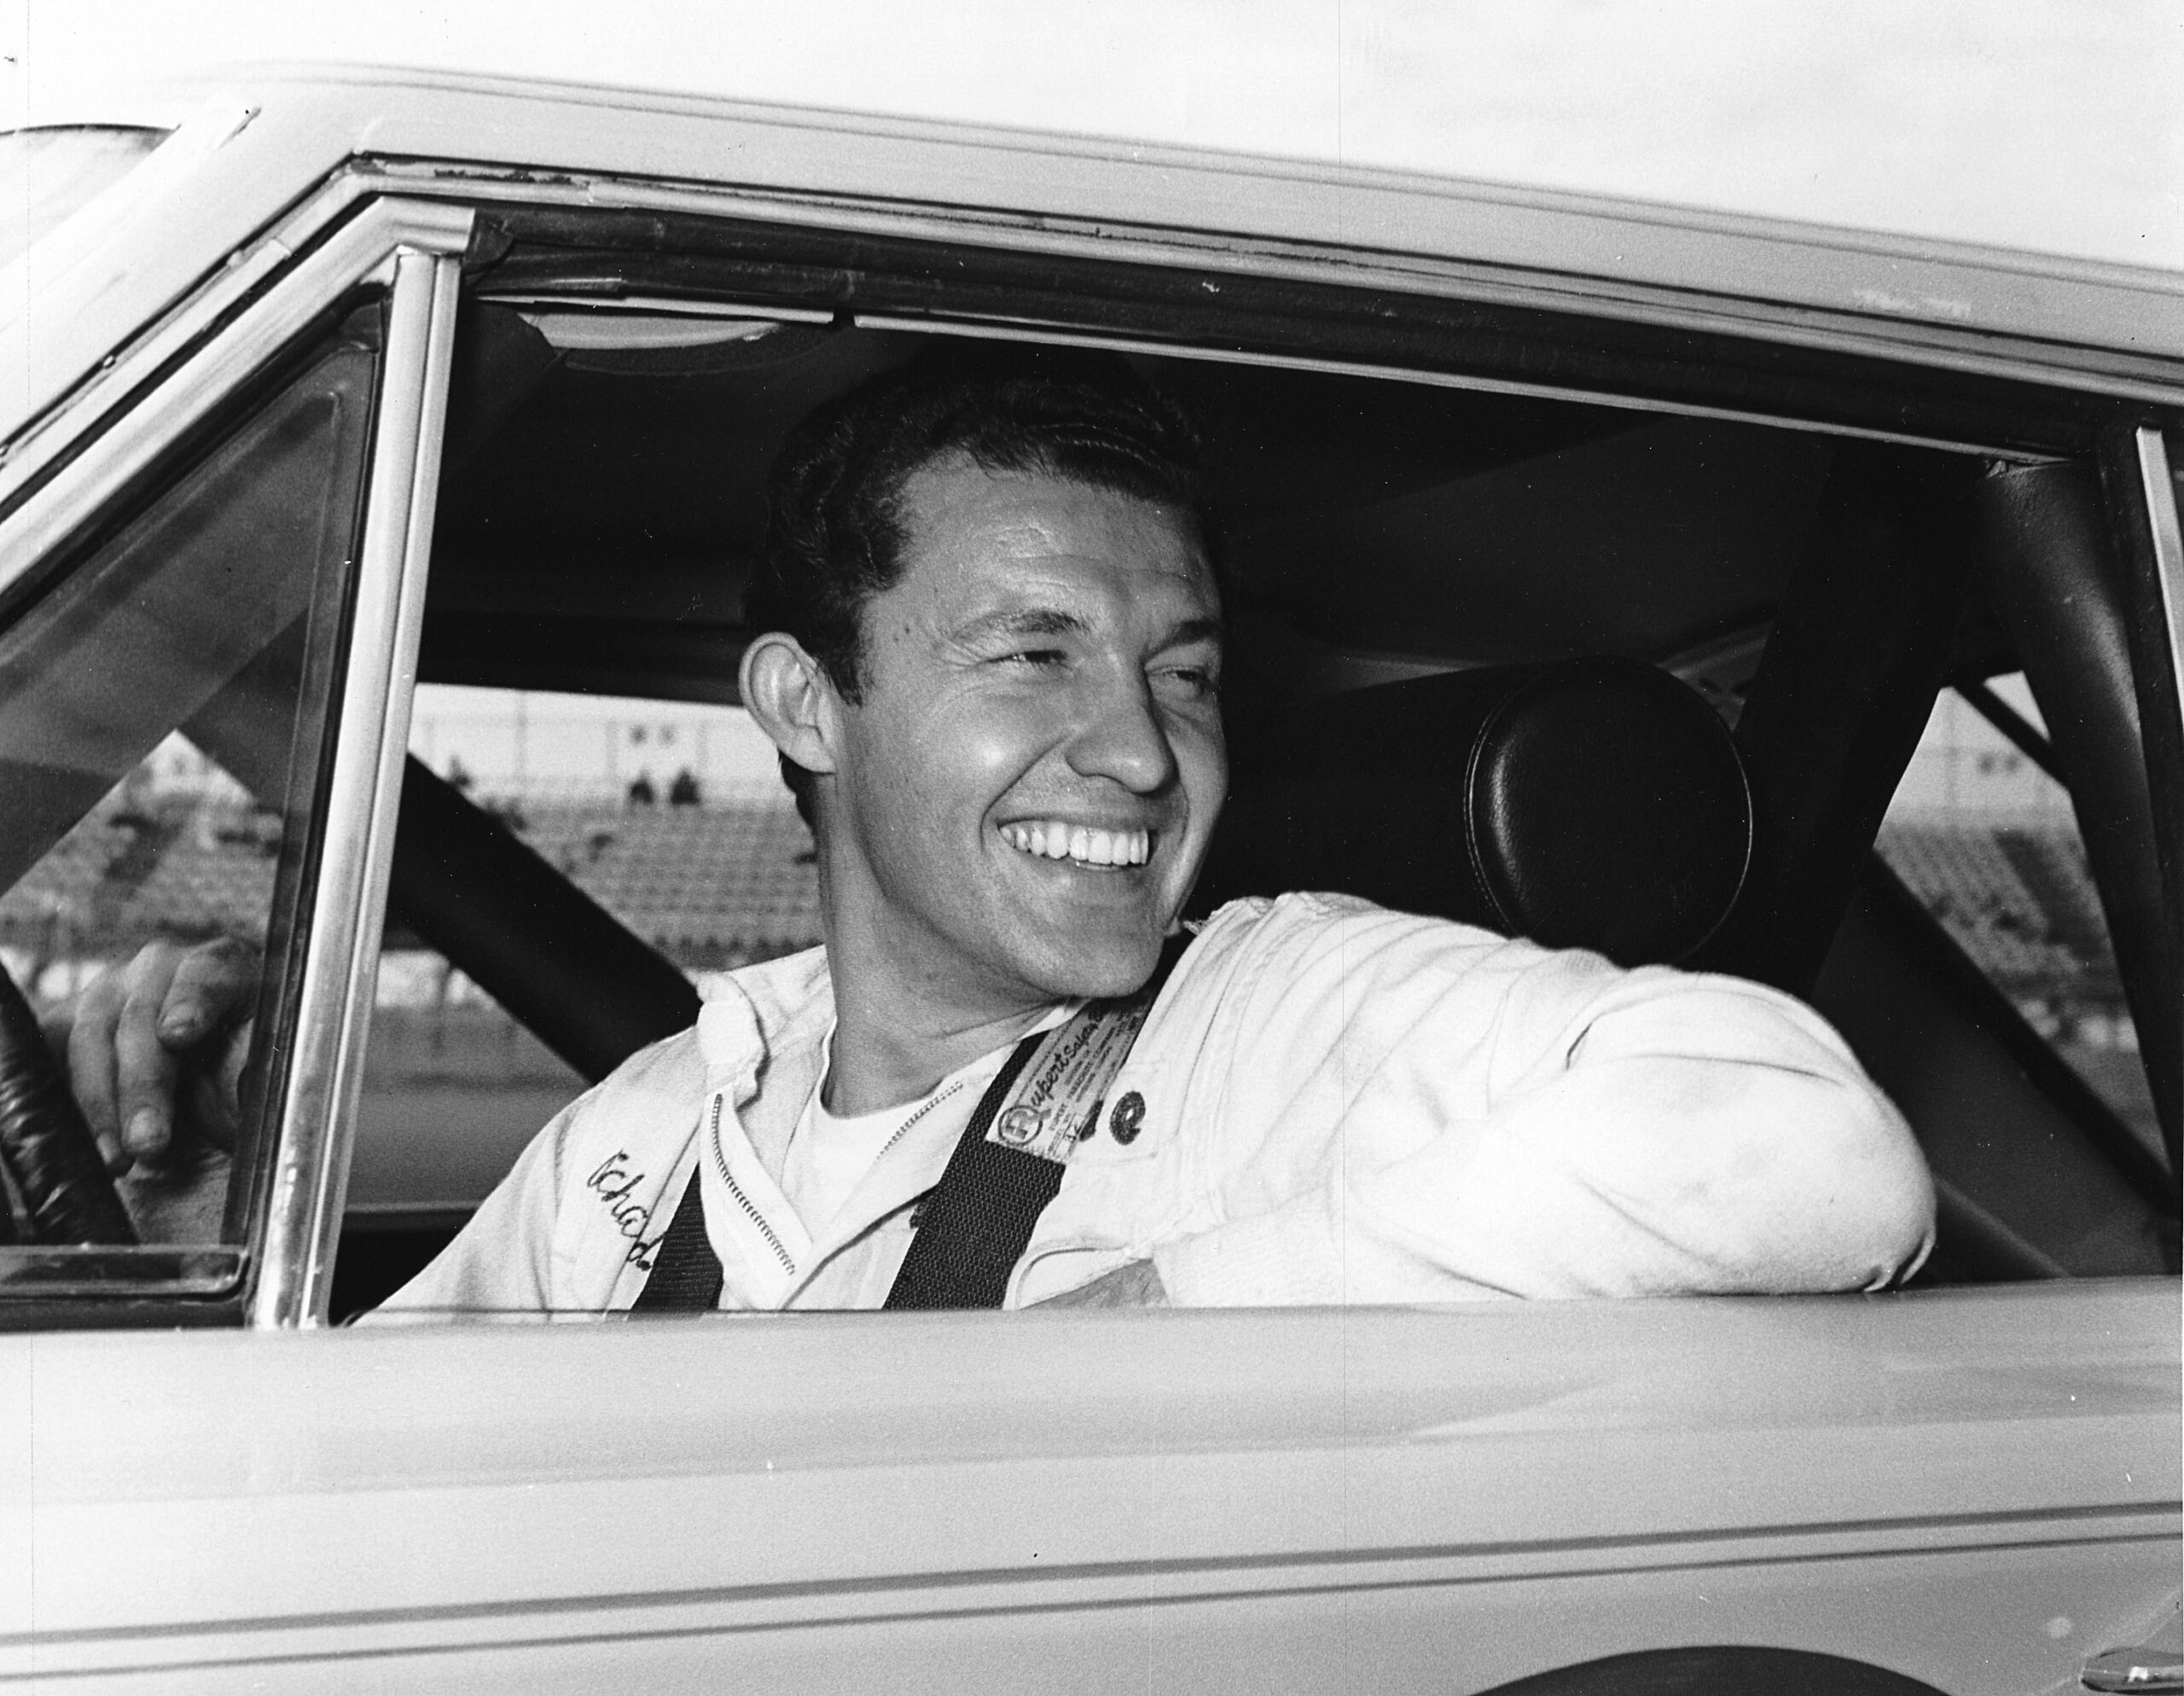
2028 126
260 146
1614 1469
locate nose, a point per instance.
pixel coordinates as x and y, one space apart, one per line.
1123 738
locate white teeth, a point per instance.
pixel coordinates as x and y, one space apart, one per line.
1053 840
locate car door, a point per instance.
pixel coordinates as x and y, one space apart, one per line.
1969 1488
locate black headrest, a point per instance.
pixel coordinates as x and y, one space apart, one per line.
1594 804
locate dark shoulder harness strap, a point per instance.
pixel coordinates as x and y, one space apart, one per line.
686 1275
1006 1166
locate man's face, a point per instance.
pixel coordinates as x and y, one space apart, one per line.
1023 796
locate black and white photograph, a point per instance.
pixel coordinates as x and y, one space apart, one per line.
1127 848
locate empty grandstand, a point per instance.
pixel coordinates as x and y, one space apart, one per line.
2017 898
712 886
180 864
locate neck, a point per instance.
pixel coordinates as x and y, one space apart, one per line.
880 1062
898 1034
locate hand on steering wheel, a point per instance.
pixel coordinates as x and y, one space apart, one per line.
154 1055
160 1045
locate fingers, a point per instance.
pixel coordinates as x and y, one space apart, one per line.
90 1025
147 1072
207 1009
128 1034
213 1088
213 985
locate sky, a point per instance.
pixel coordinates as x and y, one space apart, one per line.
562 743
2056 124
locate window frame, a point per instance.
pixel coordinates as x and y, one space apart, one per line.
704 252
97 465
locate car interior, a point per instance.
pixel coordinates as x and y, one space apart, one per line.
1609 635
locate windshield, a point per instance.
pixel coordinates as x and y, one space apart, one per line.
45 174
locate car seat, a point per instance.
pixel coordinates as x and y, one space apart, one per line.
1595 802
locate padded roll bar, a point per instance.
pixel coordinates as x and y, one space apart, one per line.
564 966
2065 595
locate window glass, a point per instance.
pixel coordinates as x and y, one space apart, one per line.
161 716
1988 843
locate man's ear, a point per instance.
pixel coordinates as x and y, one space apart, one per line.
790 696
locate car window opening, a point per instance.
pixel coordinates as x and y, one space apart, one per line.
1376 534
1431 593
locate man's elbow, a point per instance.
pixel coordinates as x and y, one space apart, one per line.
1857 1209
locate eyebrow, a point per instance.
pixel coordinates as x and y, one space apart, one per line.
1194 629
1047 621
1037 622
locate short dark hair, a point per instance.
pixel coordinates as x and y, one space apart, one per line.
834 519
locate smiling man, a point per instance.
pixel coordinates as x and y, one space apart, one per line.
1013 764
990 658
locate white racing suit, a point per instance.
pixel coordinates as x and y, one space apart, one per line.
1334 1103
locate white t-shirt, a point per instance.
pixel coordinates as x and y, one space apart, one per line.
828 1155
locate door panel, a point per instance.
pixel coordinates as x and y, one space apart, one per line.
1182 1501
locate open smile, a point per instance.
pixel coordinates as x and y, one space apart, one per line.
1081 844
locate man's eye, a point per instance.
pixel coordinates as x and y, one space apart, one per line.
1034 656
1198 683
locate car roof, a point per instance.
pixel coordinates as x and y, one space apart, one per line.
1932 196
2034 131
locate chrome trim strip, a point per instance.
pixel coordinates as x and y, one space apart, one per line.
1882 337
2159 486
657 305
333 1014
148 1272
348 254
1440 380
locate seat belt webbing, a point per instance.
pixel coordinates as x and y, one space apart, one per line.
977 1221
686 1275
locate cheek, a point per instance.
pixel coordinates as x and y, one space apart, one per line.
1202 761
954 765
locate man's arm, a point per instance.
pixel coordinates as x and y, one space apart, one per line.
1538 1125
1699 1139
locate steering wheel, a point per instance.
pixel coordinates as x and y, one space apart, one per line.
52 1161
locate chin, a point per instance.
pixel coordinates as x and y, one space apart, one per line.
1102 967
